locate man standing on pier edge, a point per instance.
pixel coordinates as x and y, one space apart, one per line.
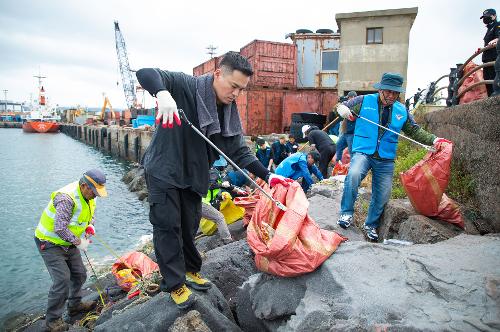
68 215
178 160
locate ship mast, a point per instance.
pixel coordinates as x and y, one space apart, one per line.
41 91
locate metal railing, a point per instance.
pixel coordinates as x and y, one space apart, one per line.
460 76
456 79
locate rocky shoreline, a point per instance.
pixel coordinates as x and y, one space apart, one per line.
447 280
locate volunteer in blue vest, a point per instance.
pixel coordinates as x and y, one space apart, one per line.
300 165
59 238
375 148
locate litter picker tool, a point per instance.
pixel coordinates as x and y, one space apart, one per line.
429 148
277 203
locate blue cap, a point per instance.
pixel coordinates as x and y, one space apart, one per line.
390 81
96 180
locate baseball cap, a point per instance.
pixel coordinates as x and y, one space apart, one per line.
96 180
488 12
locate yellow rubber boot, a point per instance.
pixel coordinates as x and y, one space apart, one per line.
183 297
196 281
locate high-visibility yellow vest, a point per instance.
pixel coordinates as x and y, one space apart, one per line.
83 212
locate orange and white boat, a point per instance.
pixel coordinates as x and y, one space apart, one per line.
42 118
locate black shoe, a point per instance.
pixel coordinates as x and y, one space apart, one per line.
57 325
82 307
371 233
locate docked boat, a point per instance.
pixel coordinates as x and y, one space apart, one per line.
42 118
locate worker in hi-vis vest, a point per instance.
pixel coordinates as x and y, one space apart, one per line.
58 237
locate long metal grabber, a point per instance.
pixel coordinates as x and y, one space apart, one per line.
277 203
429 148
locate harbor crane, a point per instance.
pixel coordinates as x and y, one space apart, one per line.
125 71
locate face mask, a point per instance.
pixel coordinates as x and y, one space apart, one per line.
487 20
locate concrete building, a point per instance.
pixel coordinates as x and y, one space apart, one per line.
372 43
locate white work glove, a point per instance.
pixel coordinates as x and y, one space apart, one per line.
345 112
167 109
84 244
225 184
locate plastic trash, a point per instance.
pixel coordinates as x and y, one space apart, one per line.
396 242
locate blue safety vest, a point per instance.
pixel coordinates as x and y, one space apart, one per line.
366 138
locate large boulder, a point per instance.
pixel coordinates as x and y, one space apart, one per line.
325 212
451 285
159 313
228 267
401 221
474 130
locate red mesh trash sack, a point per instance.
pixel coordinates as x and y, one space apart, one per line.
340 169
476 93
426 182
132 266
288 243
249 202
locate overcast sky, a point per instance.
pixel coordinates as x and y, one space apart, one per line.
72 42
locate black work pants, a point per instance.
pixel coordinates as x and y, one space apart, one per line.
326 156
175 215
489 74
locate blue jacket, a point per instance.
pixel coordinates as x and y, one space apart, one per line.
295 166
366 135
280 152
264 156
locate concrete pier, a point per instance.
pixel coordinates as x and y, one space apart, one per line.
123 142
7 124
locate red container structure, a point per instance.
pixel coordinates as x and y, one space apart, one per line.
260 111
207 66
310 101
274 63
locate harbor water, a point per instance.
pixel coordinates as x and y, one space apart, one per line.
32 166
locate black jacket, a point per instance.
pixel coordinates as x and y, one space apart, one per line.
179 155
321 140
492 32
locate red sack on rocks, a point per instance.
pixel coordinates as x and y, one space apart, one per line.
426 182
131 267
288 243
476 93
339 169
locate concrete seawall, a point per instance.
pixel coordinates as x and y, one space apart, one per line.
474 129
123 142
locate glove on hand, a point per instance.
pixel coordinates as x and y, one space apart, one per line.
275 179
90 230
84 244
345 112
438 140
167 109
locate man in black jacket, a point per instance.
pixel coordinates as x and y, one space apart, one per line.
489 18
323 143
177 162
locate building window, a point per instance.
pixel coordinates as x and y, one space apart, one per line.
329 60
374 36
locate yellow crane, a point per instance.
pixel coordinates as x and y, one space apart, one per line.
107 103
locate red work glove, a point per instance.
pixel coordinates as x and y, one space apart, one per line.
275 179
90 230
